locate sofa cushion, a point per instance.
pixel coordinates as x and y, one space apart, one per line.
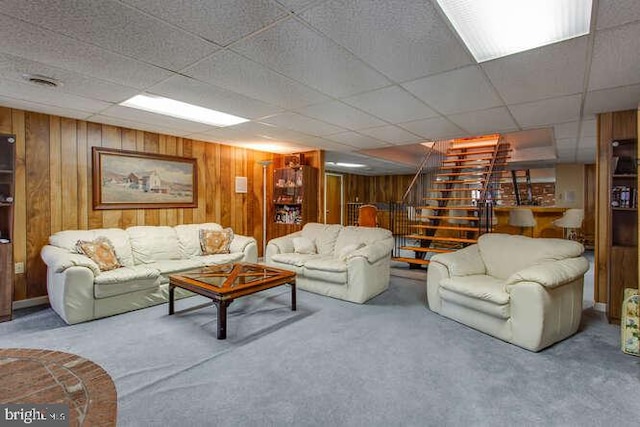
328 269
124 280
500 311
323 235
119 239
217 259
100 251
189 238
167 267
293 259
214 242
348 250
304 245
359 235
505 254
478 286
153 243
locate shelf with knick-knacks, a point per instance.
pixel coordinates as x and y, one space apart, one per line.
293 196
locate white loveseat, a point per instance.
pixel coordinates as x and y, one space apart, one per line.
349 263
525 291
79 291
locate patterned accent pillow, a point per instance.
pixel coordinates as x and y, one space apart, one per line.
215 241
101 251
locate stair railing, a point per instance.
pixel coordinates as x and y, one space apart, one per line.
485 203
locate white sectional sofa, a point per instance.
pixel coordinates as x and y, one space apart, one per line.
79 291
349 263
525 291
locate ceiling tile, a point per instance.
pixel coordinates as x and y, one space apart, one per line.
566 130
340 114
27 41
566 143
231 71
548 111
43 108
114 27
546 72
493 120
14 68
612 13
616 58
587 142
357 140
326 144
391 134
221 21
302 124
166 122
392 104
458 91
296 5
404 39
136 124
302 54
435 128
195 92
589 128
617 99
49 96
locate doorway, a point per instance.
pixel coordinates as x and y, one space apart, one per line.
333 198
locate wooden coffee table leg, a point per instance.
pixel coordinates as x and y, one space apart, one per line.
293 296
222 318
171 297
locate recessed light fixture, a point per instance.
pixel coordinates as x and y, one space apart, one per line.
346 165
42 80
495 28
182 110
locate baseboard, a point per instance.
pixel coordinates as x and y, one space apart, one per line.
600 306
30 302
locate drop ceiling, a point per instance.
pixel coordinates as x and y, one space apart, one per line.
365 80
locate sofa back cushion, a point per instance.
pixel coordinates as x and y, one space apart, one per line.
153 243
505 254
119 239
189 238
359 236
323 235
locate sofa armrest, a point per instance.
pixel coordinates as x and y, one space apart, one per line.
464 262
551 274
373 252
243 244
59 260
280 245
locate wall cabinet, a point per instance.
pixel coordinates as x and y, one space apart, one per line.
616 258
7 161
295 195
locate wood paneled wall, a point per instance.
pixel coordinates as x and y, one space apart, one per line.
53 185
383 188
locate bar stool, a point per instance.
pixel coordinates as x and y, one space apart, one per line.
570 221
523 218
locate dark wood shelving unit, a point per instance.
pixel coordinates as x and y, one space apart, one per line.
7 185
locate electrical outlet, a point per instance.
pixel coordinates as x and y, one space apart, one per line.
19 267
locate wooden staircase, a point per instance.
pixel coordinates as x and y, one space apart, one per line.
457 208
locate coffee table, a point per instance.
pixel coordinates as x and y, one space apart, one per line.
226 282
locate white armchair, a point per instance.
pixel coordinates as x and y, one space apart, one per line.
525 291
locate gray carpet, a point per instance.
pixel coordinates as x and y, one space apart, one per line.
390 362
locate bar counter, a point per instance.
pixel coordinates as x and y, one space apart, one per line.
544 215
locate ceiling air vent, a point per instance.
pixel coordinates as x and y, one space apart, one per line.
41 80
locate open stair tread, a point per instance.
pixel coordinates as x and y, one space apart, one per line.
441 239
445 227
424 250
411 260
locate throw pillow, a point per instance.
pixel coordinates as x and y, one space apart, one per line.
303 245
215 241
347 250
101 251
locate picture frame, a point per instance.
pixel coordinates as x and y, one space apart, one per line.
135 180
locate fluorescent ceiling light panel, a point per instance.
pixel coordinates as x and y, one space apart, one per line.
346 165
182 110
495 28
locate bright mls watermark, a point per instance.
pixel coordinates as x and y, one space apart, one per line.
36 415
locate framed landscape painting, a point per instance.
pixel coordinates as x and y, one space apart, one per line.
133 180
